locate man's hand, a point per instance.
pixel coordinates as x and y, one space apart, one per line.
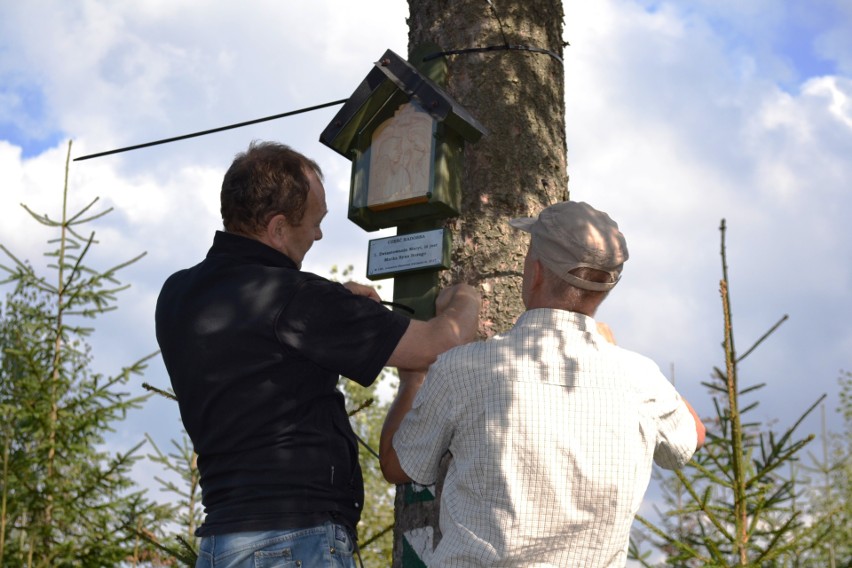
455 323
362 290
460 302
700 430
604 330
456 292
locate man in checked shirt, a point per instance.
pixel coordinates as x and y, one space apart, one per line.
552 427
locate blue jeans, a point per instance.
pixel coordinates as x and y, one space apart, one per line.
327 545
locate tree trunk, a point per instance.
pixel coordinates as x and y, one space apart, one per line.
517 169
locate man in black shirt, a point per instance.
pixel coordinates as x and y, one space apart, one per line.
254 348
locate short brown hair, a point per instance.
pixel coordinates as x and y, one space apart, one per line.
267 179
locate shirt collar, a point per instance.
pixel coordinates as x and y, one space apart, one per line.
553 317
232 244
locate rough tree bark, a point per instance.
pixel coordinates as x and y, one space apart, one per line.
516 170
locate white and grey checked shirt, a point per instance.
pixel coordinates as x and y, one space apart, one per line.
552 431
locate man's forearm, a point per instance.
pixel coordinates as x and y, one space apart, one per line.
409 383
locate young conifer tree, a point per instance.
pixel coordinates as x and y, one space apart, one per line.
828 489
64 499
734 503
184 485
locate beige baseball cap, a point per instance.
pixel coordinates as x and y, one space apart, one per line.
572 234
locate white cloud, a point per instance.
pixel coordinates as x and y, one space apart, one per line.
672 127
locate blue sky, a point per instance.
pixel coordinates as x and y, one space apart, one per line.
24 121
678 114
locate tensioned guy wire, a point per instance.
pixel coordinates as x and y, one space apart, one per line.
506 46
211 131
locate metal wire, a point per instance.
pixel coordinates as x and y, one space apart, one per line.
211 131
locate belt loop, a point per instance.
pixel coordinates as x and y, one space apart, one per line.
329 534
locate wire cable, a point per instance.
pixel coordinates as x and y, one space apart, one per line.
211 131
554 55
505 47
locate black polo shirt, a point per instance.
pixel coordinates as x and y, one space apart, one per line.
254 349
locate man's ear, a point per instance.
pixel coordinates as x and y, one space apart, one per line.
538 274
275 233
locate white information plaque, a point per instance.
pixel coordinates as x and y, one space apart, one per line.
413 251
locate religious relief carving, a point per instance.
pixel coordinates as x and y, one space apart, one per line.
401 159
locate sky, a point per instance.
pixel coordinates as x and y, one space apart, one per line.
678 115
